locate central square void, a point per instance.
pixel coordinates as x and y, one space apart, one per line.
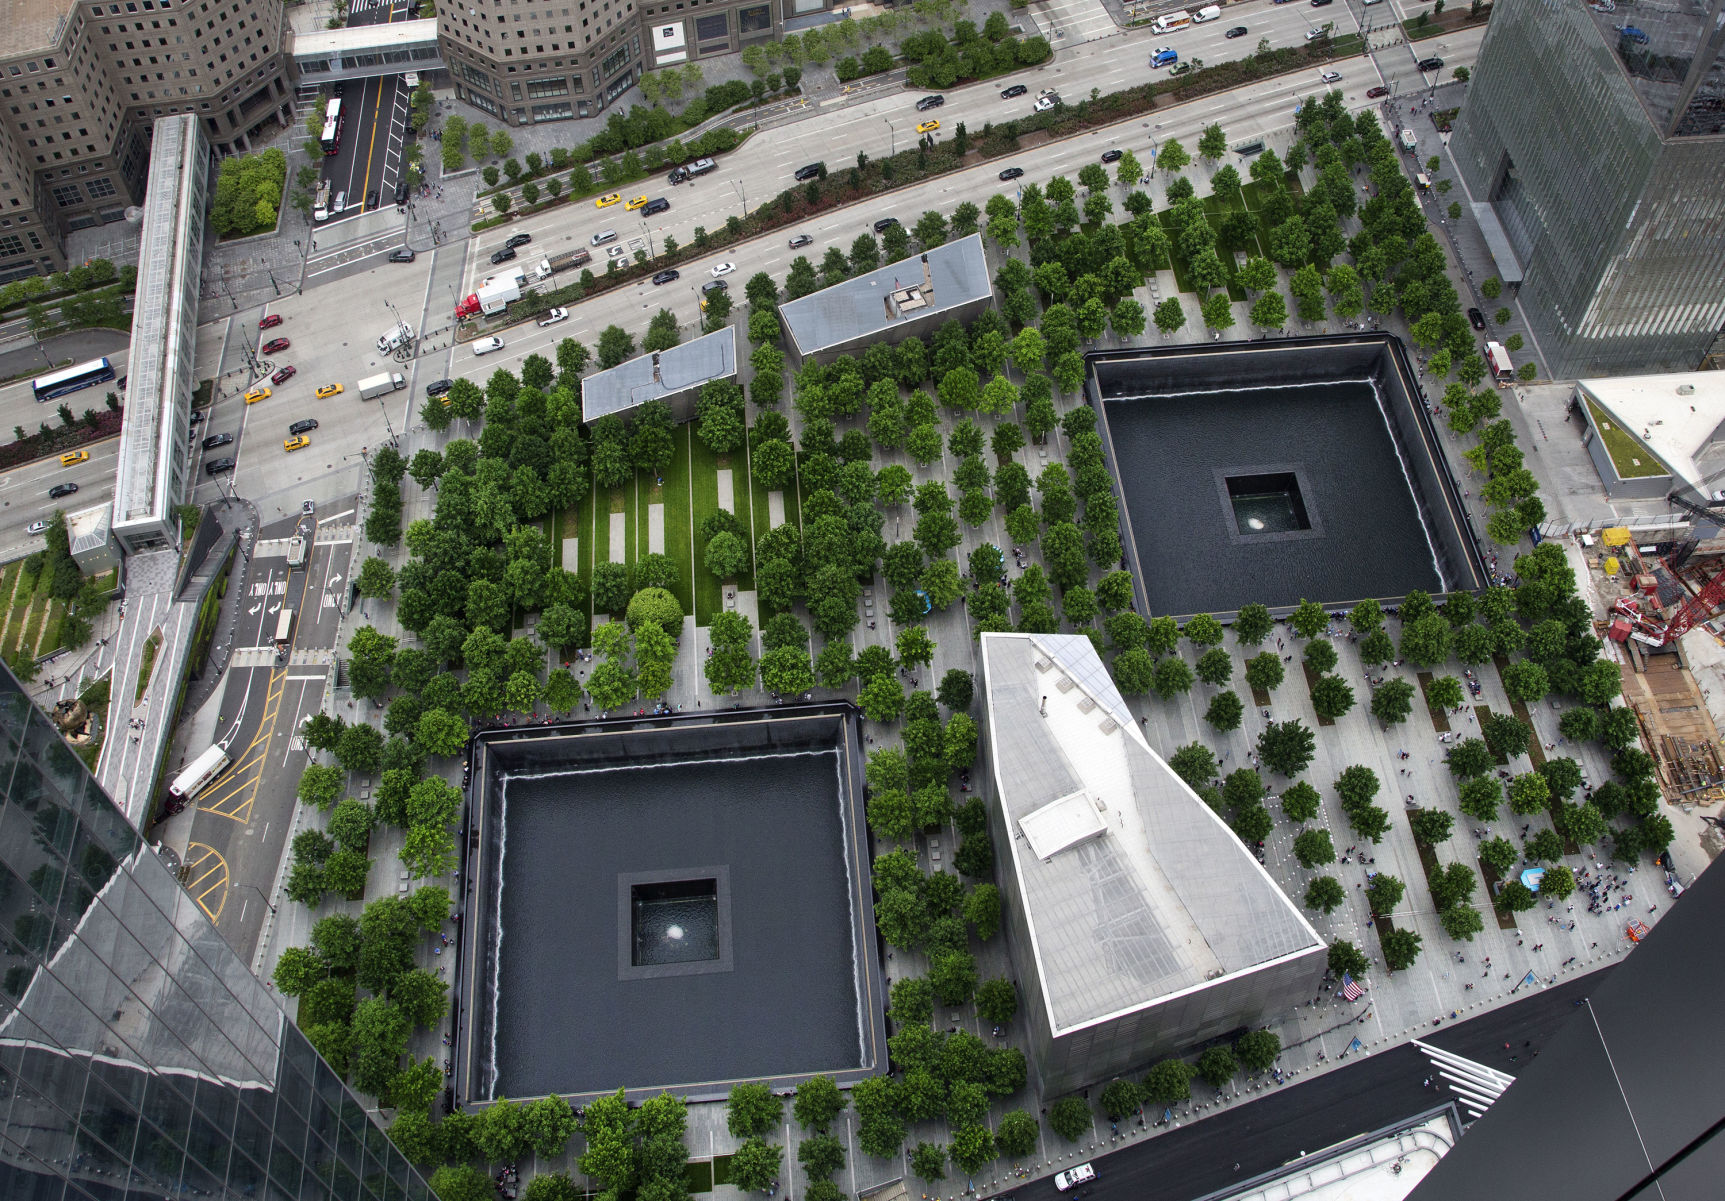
674 922
1267 504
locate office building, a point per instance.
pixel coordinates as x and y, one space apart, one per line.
80 85
1592 145
1139 925
138 1055
527 61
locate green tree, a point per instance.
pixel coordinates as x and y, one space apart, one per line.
1286 747
1257 1049
1401 949
1070 1118
1325 894
752 1110
755 1165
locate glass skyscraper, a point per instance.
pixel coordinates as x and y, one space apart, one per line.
139 1057
1594 135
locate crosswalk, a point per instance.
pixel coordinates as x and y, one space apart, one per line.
1069 22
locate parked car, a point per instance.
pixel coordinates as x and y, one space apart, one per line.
73 457
1012 173
502 256
1112 156
1239 31
401 254
1013 92
810 171
801 240
553 317
275 345
218 466
1374 93
1476 318
884 224
928 102
198 416
487 345
284 375
719 269
401 192
215 440
669 275
328 390
303 427
59 490
371 199
1434 63
514 240
438 387
270 322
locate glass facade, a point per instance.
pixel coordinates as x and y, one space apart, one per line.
1598 140
139 1058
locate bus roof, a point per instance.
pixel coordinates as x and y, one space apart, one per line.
73 372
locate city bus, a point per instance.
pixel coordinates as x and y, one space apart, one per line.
200 774
84 375
332 127
284 630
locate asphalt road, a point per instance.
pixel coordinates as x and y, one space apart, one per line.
239 831
1374 1092
371 143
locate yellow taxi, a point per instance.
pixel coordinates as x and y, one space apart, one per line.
328 390
637 203
73 457
928 127
606 201
296 443
257 394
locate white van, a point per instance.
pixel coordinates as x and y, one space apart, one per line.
1169 22
487 345
603 236
391 339
1209 12
1072 1177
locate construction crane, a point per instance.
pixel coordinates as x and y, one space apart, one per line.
1684 547
1644 628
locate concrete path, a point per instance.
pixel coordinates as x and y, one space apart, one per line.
775 509
619 535
656 529
571 554
727 492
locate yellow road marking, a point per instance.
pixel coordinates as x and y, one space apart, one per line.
248 772
206 875
370 146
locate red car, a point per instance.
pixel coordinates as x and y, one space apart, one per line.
270 322
1374 93
276 346
282 376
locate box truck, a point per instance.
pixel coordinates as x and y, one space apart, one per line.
377 385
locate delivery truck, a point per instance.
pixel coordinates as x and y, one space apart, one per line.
565 261
376 385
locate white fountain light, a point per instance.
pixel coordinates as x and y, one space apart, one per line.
1256 523
674 932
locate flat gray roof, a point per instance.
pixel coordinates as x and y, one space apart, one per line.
1139 890
691 365
876 301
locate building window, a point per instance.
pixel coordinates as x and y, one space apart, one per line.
614 60
561 111
68 194
482 102
755 19
476 77
539 89
712 27
11 244
100 188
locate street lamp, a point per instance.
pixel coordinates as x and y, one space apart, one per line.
271 274
893 143
261 897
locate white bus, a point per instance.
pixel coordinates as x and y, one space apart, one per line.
1169 22
332 123
202 772
72 379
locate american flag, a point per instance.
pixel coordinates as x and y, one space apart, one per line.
1351 991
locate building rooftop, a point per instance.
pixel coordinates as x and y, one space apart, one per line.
947 277
1133 888
657 376
32 25
88 528
1676 416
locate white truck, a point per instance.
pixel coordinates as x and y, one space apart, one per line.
391 339
493 296
377 385
1169 22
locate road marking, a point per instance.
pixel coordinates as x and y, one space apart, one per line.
206 875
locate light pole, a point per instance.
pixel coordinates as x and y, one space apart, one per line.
893 142
272 275
261 897
742 191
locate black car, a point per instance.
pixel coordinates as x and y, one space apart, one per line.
1319 3
401 254
665 277
1012 173
502 256
715 285
514 240
217 466
371 199
1112 156
1017 89
215 440
59 490
928 102
1431 64
1476 318
438 387
812 171
198 416
401 192
303 427
1239 31
800 241
884 224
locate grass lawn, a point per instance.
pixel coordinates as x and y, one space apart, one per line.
678 524
705 465
598 548
1627 454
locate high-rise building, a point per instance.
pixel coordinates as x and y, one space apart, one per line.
138 1055
80 84
527 61
1592 143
